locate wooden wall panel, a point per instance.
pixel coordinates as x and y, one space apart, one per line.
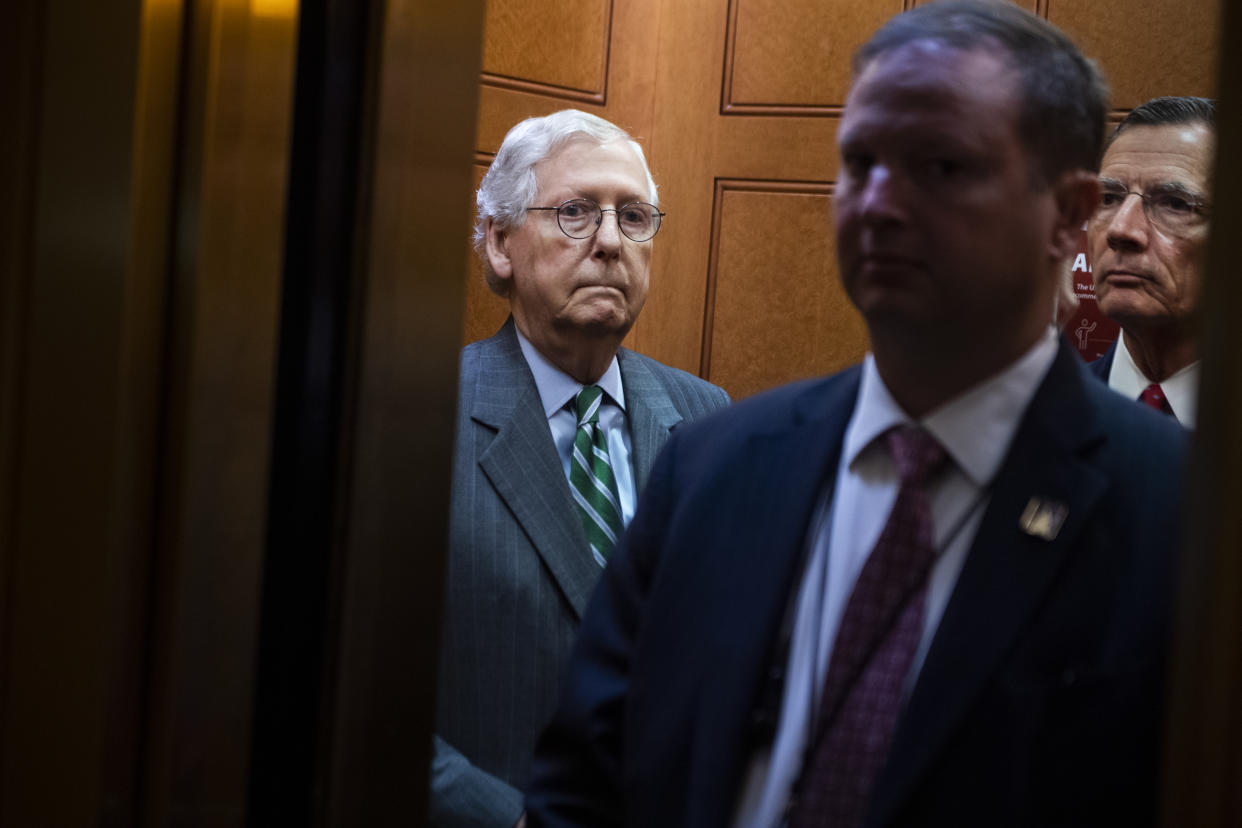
788 149
501 108
1035 6
682 141
485 311
559 45
1146 47
795 54
795 321
694 146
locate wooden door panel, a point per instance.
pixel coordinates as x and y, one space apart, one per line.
686 103
537 56
795 54
485 311
773 291
1146 47
560 46
1029 5
501 107
761 118
788 149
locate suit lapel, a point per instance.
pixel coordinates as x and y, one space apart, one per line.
1005 577
778 486
649 411
523 466
1104 365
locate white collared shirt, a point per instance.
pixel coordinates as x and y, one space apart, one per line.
975 429
557 390
1181 389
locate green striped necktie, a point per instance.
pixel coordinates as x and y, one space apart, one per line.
591 479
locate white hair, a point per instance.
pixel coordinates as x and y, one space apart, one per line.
510 185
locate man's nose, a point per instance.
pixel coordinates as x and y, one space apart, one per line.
880 196
608 234
1129 226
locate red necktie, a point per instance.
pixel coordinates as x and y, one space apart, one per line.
873 651
1153 396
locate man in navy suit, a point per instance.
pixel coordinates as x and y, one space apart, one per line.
567 215
1147 251
934 589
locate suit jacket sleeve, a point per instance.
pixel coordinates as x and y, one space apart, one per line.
464 796
576 772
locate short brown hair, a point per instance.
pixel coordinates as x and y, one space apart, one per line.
1168 111
1064 98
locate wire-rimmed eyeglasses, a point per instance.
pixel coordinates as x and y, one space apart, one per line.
580 218
1172 209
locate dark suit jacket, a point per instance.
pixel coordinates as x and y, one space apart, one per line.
519 568
1041 697
1100 367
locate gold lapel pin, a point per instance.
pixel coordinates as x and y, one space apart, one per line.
1043 518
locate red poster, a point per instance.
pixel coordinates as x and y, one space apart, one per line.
1089 330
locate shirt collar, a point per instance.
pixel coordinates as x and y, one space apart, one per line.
975 427
1181 389
556 388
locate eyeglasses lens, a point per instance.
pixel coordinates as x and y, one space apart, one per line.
581 218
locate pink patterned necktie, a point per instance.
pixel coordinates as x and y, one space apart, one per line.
1153 395
873 651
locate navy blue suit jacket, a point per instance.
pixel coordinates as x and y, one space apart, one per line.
1041 698
1100 367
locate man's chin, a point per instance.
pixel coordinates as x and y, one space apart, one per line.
1128 307
600 324
895 308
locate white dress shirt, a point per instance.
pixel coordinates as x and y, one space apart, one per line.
975 429
1181 389
557 391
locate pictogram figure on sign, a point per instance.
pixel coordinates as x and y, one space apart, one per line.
1082 333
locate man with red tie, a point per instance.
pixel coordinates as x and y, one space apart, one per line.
1147 250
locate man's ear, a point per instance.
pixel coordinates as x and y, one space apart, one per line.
1077 194
498 249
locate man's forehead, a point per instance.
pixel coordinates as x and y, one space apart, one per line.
928 75
925 62
1161 152
581 145
926 86
584 160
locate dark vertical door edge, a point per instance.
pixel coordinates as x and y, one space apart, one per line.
323 249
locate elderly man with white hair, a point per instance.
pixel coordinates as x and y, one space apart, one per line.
557 427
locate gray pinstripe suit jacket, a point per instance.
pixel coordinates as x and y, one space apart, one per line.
519 570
